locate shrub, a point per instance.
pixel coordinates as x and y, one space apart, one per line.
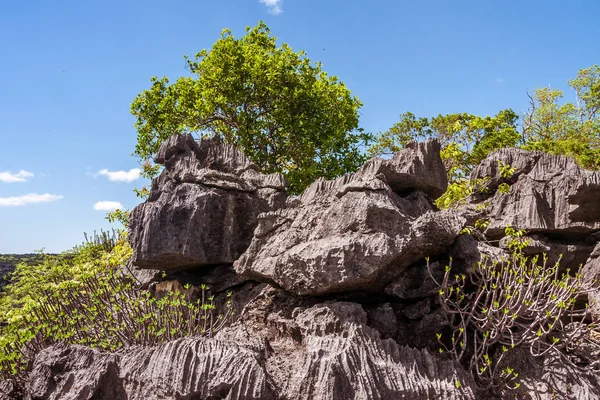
512 302
84 298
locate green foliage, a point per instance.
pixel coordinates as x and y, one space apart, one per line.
504 188
32 282
571 129
506 171
11 260
28 259
466 139
509 303
119 216
281 109
84 298
459 191
105 240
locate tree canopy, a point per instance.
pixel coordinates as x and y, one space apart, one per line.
466 139
282 110
571 129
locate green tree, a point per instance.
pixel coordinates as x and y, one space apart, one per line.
571 129
281 109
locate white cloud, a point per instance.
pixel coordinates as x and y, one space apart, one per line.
499 81
274 6
107 206
28 199
20 176
121 176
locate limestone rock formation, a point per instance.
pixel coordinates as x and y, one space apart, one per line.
550 197
548 193
286 347
203 208
332 293
324 351
357 232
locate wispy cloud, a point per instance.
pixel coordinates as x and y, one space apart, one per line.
274 6
9 177
30 198
107 206
499 81
121 176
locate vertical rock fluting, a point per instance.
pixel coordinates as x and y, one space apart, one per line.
548 193
321 352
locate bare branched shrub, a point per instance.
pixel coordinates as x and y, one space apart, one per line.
508 303
107 311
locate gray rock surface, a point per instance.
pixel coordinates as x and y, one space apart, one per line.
591 277
331 289
285 348
550 378
357 232
74 373
203 208
294 352
549 194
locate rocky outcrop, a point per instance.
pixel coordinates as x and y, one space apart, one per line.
331 289
357 232
550 197
284 347
548 194
324 351
203 208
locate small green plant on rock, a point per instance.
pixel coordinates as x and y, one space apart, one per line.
458 192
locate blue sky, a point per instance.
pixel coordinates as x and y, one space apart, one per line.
70 70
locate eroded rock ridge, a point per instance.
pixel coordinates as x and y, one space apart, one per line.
332 294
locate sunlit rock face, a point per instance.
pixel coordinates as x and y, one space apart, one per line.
357 232
203 208
332 294
548 194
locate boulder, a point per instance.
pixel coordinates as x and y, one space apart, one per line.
331 292
75 373
198 368
357 232
548 194
203 208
